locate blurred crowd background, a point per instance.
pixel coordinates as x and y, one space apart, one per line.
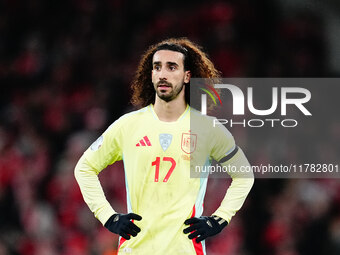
65 70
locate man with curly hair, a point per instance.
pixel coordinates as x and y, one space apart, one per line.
158 147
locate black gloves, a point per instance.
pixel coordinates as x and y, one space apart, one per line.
201 227
121 224
204 227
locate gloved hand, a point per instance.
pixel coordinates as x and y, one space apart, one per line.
122 225
204 227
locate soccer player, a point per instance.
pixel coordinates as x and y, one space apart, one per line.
158 148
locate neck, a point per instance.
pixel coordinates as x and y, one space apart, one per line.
169 111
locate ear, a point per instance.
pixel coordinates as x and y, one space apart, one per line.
187 76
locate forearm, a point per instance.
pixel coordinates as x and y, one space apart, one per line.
240 187
91 189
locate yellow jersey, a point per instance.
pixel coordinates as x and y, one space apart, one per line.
158 159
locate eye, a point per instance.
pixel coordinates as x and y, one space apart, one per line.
172 68
157 67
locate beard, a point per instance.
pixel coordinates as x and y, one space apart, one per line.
167 96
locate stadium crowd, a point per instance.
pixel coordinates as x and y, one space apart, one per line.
65 69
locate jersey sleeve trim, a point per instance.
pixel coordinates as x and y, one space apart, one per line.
229 156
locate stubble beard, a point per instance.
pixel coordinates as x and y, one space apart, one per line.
167 97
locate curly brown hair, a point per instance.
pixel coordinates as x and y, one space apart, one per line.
195 60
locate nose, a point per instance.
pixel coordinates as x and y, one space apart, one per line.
162 74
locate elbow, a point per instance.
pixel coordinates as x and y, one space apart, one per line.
250 177
83 169
80 168
77 170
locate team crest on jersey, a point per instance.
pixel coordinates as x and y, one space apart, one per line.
165 141
189 142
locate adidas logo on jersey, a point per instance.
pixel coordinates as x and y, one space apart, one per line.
144 142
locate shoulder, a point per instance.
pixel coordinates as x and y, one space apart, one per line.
207 124
197 117
135 114
130 118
